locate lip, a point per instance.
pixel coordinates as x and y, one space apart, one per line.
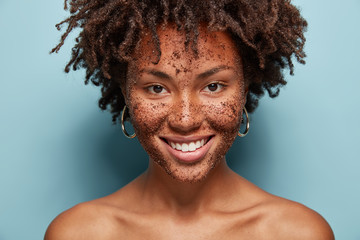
188 157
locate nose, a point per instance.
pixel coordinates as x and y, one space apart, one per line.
186 116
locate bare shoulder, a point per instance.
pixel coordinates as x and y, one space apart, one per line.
272 217
105 218
286 219
89 220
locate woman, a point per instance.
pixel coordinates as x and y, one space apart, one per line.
184 73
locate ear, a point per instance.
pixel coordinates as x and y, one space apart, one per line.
246 92
123 92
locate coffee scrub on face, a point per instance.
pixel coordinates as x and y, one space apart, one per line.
183 103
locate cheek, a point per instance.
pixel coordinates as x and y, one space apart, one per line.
225 116
147 118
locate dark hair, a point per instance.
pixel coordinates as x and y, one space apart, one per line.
267 33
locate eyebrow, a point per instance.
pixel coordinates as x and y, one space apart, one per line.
212 71
203 75
157 73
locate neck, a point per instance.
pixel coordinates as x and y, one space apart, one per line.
164 192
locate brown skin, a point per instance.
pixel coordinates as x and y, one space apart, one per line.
178 200
186 106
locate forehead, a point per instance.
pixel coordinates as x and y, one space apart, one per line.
214 48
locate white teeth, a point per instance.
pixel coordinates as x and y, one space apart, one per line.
184 147
192 147
187 147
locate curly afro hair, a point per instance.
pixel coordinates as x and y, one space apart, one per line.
267 33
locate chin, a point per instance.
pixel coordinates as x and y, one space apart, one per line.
189 177
189 173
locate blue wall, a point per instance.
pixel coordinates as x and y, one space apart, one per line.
58 149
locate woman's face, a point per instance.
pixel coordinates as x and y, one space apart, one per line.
186 110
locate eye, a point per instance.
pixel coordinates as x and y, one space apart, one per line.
156 89
213 87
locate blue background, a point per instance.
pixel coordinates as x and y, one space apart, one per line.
58 149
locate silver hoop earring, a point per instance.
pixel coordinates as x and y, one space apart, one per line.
247 125
123 125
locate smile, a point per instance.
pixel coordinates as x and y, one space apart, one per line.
188 149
